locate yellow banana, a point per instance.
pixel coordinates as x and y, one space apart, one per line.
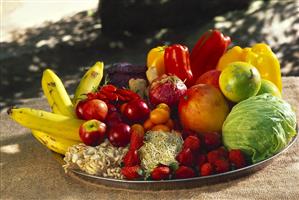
57 144
89 81
56 94
60 103
50 123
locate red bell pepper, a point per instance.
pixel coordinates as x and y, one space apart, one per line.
207 52
177 62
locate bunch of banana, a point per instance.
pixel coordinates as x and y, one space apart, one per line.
60 129
89 81
56 94
57 144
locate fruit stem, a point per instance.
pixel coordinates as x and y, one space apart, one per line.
251 74
9 111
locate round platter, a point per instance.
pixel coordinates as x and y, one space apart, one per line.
175 183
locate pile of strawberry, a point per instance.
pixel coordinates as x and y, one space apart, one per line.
113 96
200 156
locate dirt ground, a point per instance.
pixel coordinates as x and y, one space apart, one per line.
73 43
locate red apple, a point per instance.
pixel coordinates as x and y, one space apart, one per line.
79 109
92 132
119 135
113 118
136 111
94 109
210 77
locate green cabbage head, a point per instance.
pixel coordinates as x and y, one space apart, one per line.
259 126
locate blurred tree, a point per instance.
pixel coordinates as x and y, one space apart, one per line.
146 15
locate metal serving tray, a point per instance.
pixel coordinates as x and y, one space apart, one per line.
175 183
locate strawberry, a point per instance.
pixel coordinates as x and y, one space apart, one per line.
111 108
186 133
213 156
221 166
121 98
128 94
236 157
193 143
201 159
222 152
186 157
131 158
91 95
109 88
110 96
184 172
101 96
212 140
160 173
206 169
132 172
136 140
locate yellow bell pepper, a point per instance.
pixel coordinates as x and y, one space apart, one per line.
151 74
155 58
261 56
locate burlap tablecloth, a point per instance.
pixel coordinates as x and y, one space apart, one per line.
28 170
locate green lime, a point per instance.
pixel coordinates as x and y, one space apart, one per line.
239 81
269 87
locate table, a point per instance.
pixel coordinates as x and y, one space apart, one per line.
29 171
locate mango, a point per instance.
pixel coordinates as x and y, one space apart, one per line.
203 109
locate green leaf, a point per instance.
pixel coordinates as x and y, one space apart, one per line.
174 166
